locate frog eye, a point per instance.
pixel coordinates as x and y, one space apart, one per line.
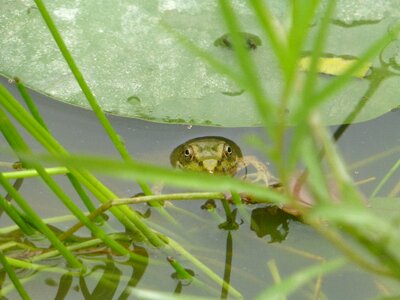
228 150
188 152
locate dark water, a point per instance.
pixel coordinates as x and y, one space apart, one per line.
272 237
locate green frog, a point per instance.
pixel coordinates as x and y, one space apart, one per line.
218 155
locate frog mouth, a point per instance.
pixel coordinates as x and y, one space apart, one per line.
209 165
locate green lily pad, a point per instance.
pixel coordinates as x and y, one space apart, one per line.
137 69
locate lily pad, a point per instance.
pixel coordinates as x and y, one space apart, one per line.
137 69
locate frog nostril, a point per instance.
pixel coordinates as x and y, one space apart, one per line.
210 165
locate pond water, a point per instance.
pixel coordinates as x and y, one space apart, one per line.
240 256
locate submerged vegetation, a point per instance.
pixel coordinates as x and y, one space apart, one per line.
322 194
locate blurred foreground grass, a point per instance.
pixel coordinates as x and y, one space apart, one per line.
338 211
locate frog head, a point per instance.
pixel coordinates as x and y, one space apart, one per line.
211 154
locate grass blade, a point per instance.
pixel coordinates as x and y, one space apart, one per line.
11 274
289 285
268 24
250 79
124 214
339 81
114 137
318 46
388 175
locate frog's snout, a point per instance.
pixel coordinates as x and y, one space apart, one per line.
209 165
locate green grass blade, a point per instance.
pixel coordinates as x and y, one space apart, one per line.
114 137
268 24
30 103
13 277
339 81
83 195
80 79
127 216
210 273
289 285
303 12
385 179
39 224
316 179
19 146
36 114
15 215
174 177
319 42
265 106
32 173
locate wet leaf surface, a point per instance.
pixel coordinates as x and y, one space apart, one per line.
137 69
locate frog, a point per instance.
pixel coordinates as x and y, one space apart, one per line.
251 41
220 156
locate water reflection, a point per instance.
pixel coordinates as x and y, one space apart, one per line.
228 266
272 222
104 266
